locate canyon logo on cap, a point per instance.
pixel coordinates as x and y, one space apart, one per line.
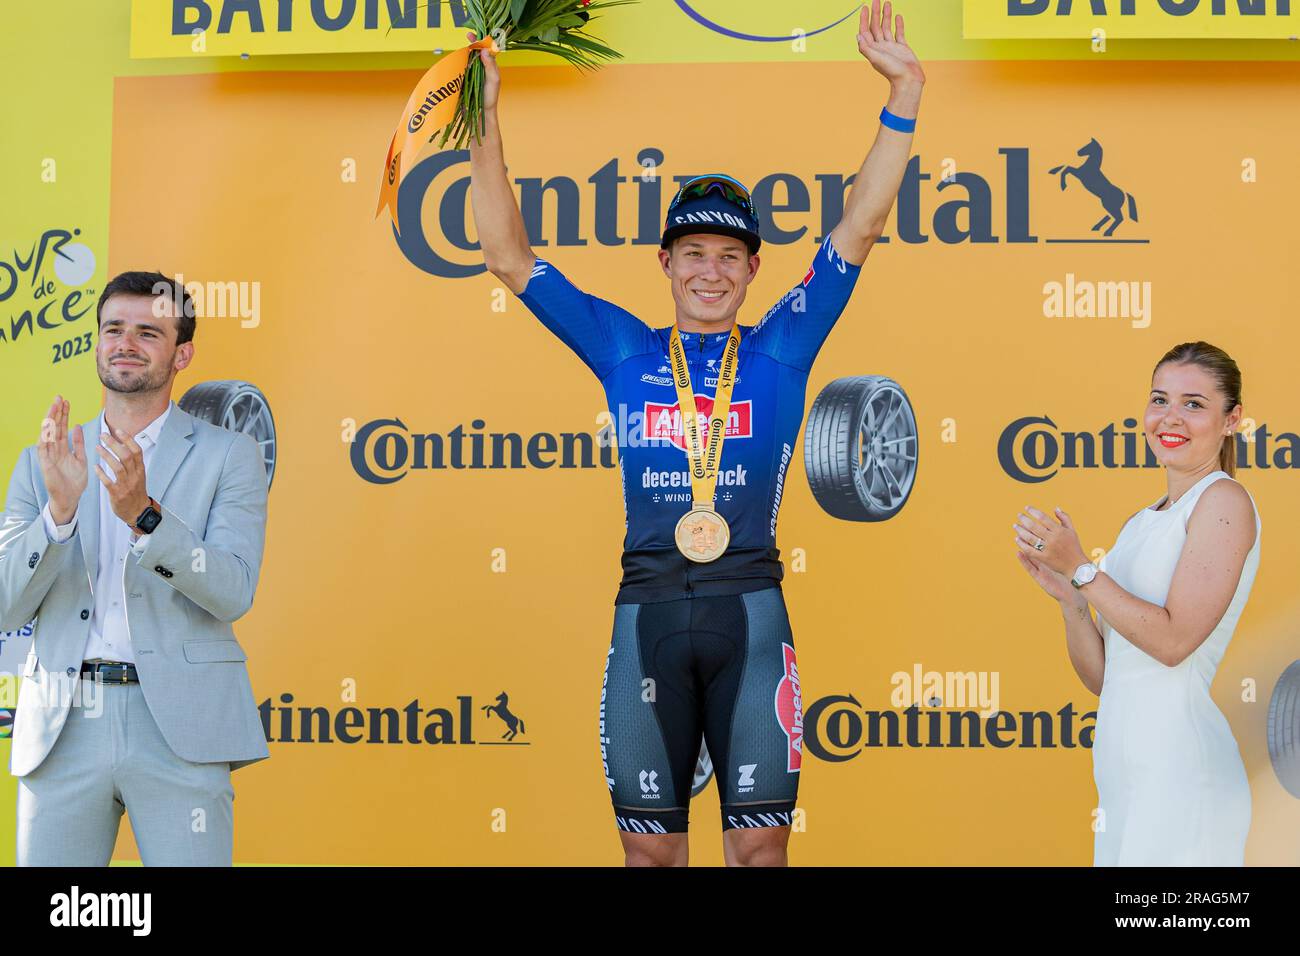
714 204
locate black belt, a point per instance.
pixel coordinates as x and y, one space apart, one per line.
110 672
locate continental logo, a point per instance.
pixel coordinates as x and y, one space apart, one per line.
1033 449
987 202
431 100
464 722
385 450
838 728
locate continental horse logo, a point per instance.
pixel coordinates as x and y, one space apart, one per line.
1094 180
514 725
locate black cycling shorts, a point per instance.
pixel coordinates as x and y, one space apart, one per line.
722 667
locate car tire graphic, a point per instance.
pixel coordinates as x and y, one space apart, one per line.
240 407
1284 729
703 771
860 448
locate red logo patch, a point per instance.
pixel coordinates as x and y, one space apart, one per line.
808 277
789 709
665 421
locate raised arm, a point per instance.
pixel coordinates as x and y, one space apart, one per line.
878 181
506 251
601 333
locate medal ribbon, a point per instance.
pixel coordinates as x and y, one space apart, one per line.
704 461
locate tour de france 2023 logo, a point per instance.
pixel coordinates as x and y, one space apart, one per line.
43 290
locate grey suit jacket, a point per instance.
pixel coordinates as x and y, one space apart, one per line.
197 574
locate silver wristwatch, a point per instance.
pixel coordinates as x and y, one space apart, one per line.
1083 574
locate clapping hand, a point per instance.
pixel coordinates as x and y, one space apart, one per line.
1050 551
126 490
63 469
1054 583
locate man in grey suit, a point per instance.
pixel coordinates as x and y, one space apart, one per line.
134 560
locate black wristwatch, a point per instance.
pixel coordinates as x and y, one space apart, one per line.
149 519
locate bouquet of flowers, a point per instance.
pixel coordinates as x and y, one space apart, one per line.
547 26
450 95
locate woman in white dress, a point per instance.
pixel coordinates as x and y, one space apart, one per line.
1171 786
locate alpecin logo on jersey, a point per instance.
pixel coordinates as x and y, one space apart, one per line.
664 422
789 709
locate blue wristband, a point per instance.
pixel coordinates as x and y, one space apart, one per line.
897 122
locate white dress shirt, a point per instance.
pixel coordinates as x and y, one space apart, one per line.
110 639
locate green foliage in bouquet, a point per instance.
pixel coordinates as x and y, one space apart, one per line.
546 26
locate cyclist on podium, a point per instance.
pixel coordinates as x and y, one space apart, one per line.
701 641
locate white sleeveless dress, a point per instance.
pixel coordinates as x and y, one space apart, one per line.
1170 781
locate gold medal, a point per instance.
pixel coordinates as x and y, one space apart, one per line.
702 533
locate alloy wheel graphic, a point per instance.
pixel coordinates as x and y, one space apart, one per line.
860 448
240 407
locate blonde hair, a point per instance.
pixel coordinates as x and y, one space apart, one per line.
1228 377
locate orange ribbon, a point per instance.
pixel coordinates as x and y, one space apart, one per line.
431 106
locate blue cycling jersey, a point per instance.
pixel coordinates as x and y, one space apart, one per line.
631 360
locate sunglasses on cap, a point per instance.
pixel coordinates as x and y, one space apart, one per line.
731 190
